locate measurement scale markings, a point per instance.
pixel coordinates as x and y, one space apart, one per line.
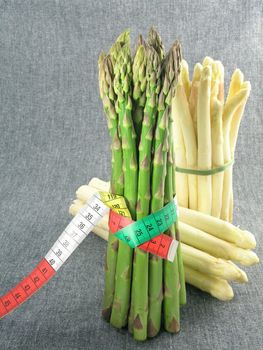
76 232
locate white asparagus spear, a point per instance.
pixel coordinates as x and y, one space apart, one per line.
194 93
208 61
230 108
221 88
217 287
236 120
235 85
237 80
100 184
218 228
210 265
215 246
204 141
185 78
216 109
183 116
180 161
217 156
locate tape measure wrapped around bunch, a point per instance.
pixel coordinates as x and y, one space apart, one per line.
145 233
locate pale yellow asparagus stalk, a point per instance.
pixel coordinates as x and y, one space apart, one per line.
185 78
204 141
221 88
75 206
85 192
236 82
216 108
182 114
194 93
236 120
100 184
180 161
215 246
235 85
214 226
218 228
217 156
215 84
230 108
217 287
210 265
208 61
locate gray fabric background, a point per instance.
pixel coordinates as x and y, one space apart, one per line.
53 138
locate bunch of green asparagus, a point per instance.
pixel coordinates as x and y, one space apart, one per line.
141 289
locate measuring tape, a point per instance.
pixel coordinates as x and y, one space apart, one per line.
144 233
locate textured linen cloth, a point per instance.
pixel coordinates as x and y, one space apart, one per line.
54 138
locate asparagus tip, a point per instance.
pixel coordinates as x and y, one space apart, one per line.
252 239
238 76
207 61
206 73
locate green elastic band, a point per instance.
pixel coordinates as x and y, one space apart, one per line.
205 172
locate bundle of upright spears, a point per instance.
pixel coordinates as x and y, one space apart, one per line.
141 289
206 131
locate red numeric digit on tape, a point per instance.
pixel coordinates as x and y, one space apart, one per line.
29 285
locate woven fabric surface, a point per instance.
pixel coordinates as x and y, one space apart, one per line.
54 138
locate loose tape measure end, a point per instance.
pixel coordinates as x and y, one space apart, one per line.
172 250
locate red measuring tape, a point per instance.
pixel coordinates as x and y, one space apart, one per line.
26 288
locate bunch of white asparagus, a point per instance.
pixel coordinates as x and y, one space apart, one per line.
208 245
206 130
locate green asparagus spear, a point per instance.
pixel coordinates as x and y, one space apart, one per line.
122 88
177 60
170 71
155 41
140 273
139 86
109 98
171 270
